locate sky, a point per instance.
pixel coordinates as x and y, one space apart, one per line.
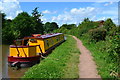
63 12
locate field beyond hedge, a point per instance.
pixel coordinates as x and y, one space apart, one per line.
61 63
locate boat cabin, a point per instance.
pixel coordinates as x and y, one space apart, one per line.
35 45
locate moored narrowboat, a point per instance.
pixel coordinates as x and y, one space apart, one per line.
27 51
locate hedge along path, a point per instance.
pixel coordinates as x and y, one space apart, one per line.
87 67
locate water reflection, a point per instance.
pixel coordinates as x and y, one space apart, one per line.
16 73
8 71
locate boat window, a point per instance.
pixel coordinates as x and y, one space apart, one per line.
26 42
51 41
33 40
47 43
57 38
18 42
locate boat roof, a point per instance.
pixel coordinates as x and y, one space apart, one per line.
43 36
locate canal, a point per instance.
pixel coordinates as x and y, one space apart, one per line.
8 72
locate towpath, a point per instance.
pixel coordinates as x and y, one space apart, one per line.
87 67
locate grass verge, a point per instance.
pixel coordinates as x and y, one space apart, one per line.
61 63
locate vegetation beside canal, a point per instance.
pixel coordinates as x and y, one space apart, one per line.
107 64
102 38
61 63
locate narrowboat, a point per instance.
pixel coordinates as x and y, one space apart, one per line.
27 51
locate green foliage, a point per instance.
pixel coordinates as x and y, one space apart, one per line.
86 25
85 20
58 63
97 34
102 41
70 26
54 26
21 24
108 24
82 28
49 27
36 22
114 48
7 32
74 31
67 29
63 30
107 65
106 53
3 19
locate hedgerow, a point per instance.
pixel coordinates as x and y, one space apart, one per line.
97 34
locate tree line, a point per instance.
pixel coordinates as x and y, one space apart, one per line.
24 25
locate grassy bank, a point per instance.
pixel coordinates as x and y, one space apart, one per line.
107 67
103 40
61 63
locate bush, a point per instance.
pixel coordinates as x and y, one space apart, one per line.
109 25
85 26
97 34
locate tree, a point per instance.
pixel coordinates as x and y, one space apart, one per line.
86 25
49 27
7 32
23 25
3 19
46 27
108 24
37 21
86 20
54 26
68 26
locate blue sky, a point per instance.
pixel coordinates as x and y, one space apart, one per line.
64 12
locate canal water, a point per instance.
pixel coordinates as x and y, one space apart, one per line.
8 72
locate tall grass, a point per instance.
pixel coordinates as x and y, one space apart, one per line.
61 63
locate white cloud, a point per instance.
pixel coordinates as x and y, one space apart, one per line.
88 11
46 12
109 3
49 12
9 17
11 8
75 15
82 10
43 19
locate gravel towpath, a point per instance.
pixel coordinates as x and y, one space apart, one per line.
87 67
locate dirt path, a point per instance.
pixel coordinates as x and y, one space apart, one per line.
87 67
